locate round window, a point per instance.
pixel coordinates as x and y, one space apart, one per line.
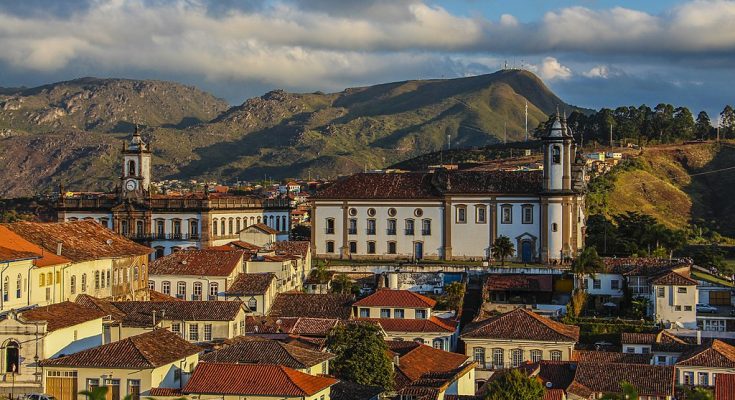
353 211
371 212
418 212
392 212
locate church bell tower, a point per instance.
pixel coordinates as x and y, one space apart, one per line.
136 170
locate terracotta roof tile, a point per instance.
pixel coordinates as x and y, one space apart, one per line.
80 240
716 354
396 298
661 341
197 262
148 350
344 390
239 244
294 247
290 325
62 315
329 306
425 359
165 392
251 284
674 278
158 296
253 350
520 283
611 357
554 394
102 305
432 324
521 324
254 380
263 227
556 374
649 380
725 386
140 313
642 266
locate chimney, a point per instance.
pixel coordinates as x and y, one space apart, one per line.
58 249
699 337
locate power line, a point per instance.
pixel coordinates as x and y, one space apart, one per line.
676 178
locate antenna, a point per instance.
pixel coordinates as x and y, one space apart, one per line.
526 120
449 141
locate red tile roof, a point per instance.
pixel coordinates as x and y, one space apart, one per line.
432 324
425 359
290 325
674 278
140 313
554 394
158 296
327 306
251 284
725 386
519 283
165 392
293 247
80 240
239 244
254 380
396 298
255 350
263 227
62 315
197 262
521 324
649 380
716 354
148 350
14 247
661 341
611 357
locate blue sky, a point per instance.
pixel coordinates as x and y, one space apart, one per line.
593 53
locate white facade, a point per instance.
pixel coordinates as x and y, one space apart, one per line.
675 305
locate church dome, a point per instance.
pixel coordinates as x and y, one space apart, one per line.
556 129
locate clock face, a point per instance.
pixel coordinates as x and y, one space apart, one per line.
130 185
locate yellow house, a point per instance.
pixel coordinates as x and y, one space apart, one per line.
255 350
256 291
131 366
40 333
509 340
701 364
265 382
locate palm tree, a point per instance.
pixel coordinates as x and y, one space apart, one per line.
502 248
588 262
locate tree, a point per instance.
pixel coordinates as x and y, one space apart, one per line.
454 293
703 126
301 232
515 385
343 284
727 121
361 355
588 262
683 123
699 393
502 248
628 391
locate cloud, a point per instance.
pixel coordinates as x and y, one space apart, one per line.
551 69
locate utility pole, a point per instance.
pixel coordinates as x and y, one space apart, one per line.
505 133
449 141
611 139
719 121
526 120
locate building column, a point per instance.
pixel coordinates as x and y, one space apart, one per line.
312 223
544 229
565 226
447 228
345 220
567 166
205 229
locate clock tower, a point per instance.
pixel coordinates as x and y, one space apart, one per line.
136 170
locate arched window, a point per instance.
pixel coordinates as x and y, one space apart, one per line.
84 283
41 279
536 356
49 278
258 219
166 288
516 357
12 357
131 168
214 227
284 223
253 304
96 279
73 284
479 356
18 286
498 358
556 155
237 225
222 227
159 252
213 290
555 355
151 285
278 224
6 288
231 224
252 220
135 274
197 291
181 290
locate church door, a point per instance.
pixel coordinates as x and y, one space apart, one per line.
418 250
526 251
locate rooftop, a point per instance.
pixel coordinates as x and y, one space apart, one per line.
715 354
432 324
725 386
62 315
197 262
251 284
326 306
674 278
148 350
254 350
519 283
290 325
140 313
254 380
293 247
80 240
649 380
396 298
14 248
521 324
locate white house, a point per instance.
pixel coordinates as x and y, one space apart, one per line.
456 214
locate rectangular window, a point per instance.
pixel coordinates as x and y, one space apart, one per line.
506 214
139 228
134 389
181 290
479 356
330 226
391 247
166 288
364 313
176 328
391 227
498 358
371 227
645 350
177 229
461 214
688 378
630 350
352 229
194 332
207 332
596 284
385 313
330 247
660 292
194 229
371 247
113 389
480 214
661 360
353 247
409 227
677 308
92 384
426 227
398 313
420 314
124 228
681 289
615 284
687 308
527 214
703 378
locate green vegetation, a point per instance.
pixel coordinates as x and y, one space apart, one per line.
698 393
360 355
594 330
627 391
343 284
515 385
502 248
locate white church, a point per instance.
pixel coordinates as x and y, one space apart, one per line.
457 215
169 222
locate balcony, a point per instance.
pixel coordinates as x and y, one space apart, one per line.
370 231
409 232
352 231
390 231
426 232
162 236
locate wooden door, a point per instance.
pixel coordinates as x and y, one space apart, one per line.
62 388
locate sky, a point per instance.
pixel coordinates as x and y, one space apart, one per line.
592 53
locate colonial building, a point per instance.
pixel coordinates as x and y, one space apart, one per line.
170 222
456 214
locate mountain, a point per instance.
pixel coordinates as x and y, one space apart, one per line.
70 132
